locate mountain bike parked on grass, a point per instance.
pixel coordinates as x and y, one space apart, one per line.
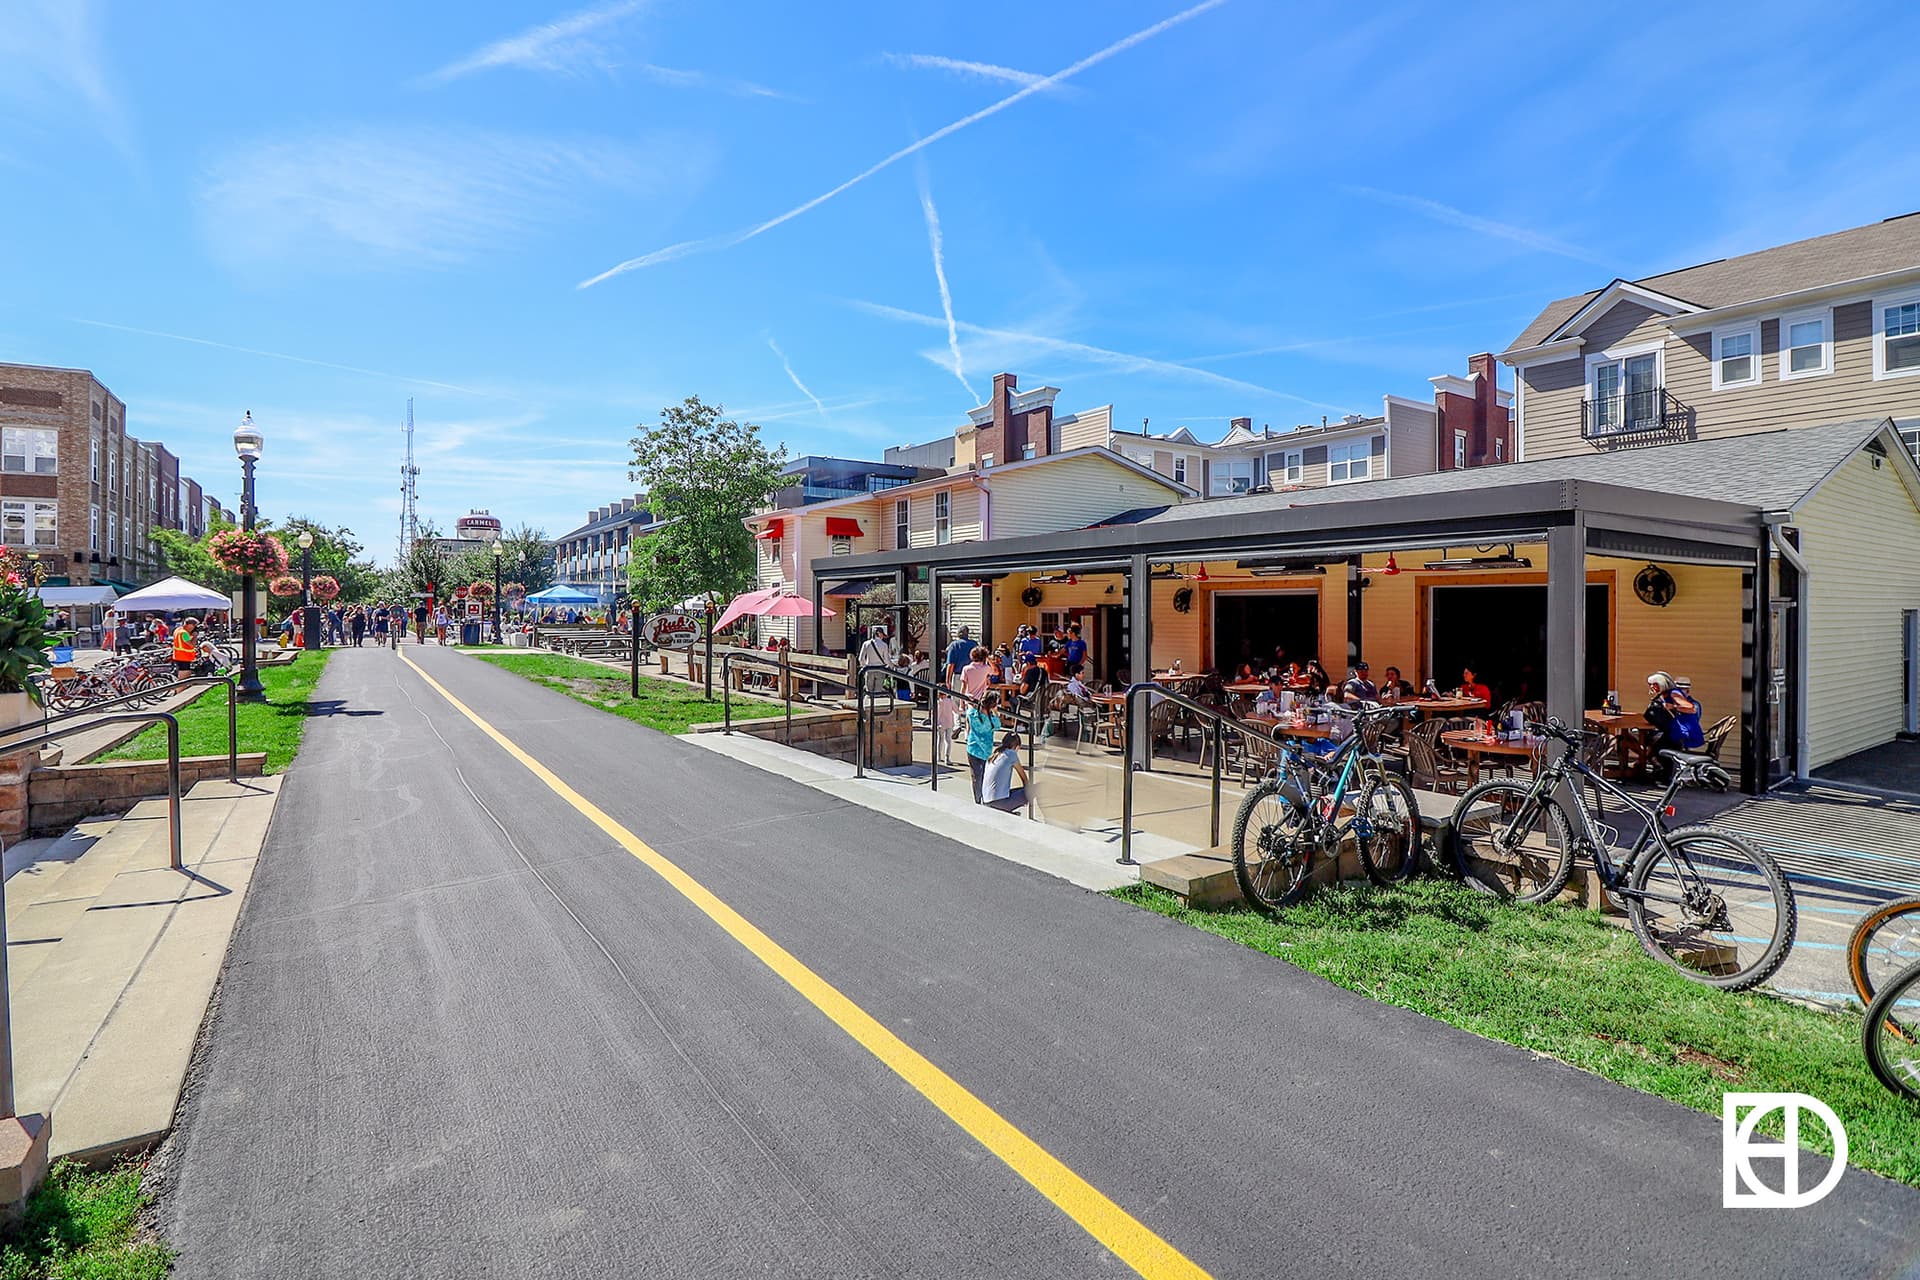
1295 816
1885 942
1707 902
1891 1036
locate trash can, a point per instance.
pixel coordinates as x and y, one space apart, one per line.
469 633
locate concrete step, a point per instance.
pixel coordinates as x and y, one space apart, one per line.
104 1026
41 908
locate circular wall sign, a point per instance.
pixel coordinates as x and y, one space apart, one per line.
1655 586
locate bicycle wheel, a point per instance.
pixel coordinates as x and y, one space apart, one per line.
1272 848
1714 906
1885 942
1508 845
1891 1036
1389 815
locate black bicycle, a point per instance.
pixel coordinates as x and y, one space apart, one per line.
1891 1036
1708 902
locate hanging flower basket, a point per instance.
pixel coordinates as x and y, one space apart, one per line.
285 585
325 587
480 591
259 554
515 592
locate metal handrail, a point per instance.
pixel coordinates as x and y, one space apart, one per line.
785 669
1221 721
937 692
173 763
233 728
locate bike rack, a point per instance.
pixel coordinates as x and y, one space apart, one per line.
173 763
233 732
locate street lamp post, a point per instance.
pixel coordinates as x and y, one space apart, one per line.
498 550
309 616
247 443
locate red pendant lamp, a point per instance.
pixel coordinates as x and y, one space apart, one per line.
1392 568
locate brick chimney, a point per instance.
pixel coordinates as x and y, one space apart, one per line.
626 505
1486 402
1244 424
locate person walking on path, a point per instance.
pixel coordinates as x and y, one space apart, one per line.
983 731
358 625
441 622
381 625
420 623
959 653
336 633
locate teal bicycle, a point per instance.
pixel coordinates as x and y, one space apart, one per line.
1300 815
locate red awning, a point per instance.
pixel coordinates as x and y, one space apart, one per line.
842 527
772 530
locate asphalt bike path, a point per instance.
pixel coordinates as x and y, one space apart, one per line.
464 1031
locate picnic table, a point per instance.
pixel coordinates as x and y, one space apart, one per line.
1474 744
1632 735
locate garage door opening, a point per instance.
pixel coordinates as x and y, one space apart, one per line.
1501 632
1257 627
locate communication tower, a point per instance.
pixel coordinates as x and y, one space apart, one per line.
409 492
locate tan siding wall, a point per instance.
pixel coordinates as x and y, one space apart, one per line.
1410 441
1859 535
1069 494
1554 391
1090 428
1697 637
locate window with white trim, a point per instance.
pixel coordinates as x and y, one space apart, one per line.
942 518
986 460
95 466
1180 468
24 524
1231 476
1625 391
902 523
1027 451
1896 338
1499 450
1806 345
1350 461
113 534
30 449
93 532
1286 467
1736 358
1459 450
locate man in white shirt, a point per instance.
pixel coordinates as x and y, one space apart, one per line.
878 650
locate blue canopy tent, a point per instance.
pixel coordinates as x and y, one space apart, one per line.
561 595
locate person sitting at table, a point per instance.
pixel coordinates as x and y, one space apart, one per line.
1270 696
1392 687
1032 677
1360 686
1315 676
996 669
1244 673
1076 649
1470 687
1674 715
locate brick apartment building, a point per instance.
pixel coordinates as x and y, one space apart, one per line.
76 491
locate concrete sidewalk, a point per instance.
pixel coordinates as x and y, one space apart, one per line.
113 957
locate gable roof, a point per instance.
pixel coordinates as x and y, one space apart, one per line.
1768 471
1874 249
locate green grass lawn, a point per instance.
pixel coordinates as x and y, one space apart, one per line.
662 704
83 1226
1562 983
273 726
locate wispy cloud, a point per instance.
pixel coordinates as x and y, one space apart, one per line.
804 389
418 196
409 379
51 52
970 70
937 244
680 78
688 247
1525 237
566 44
1118 361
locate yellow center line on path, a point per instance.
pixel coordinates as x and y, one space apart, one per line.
1100 1217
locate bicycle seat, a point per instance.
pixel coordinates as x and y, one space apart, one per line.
1686 759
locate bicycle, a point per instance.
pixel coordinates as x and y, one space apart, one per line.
1292 817
1885 942
1707 902
1891 1036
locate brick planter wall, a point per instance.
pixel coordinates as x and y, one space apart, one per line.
835 734
62 795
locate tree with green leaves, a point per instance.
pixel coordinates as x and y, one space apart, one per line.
703 474
336 552
188 557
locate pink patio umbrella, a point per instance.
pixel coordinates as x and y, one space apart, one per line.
792 607
742 605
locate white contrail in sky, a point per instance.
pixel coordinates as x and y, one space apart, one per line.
805 390
549 46
940 274
1526 237
981 70
281 355
687 248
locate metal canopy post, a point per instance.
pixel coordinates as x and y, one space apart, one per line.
1567 622
1139 648
938 655
1755 755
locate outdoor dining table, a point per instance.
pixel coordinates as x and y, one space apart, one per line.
1289 728
1632 735
1473 744
1246 687
1444 706
1175 679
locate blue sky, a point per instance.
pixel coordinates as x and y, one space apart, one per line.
315 212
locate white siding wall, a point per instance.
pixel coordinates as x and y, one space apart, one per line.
1070 494
1859 535
1087 429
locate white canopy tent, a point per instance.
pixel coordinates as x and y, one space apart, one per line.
77 597
172 593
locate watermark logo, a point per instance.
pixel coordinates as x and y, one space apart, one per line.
1744 1187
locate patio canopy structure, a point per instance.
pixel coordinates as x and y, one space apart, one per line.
1726 502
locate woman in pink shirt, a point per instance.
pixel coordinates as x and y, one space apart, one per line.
976 675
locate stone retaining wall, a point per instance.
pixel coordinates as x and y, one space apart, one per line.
836 734
62 795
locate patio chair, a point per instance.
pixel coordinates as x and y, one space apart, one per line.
1432 767
1716 737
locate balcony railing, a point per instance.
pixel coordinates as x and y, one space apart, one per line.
1628 413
